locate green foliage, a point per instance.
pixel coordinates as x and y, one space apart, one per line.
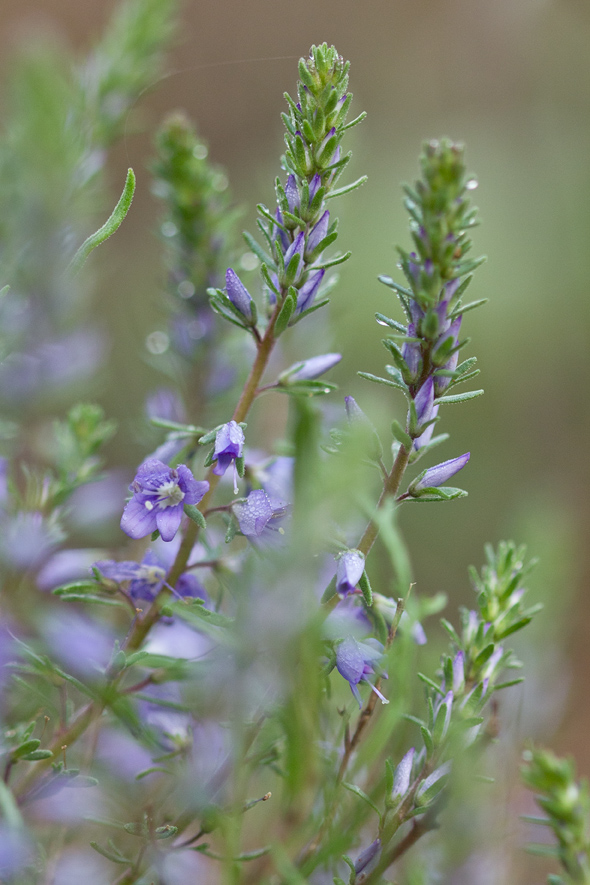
566 802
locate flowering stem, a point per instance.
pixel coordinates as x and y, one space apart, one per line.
350 745
248 395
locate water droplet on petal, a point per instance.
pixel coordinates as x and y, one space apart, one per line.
471 184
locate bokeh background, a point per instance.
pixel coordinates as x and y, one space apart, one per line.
512 80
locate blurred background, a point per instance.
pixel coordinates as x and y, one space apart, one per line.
511 79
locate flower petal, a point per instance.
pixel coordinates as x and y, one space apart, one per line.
137 521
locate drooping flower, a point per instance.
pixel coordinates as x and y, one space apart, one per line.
439 474
351 566
257 513
159 495
355 661
145 579
229 445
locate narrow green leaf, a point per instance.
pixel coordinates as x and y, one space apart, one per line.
427 738
347 187
193 513
431 683
365 587
110 855
401 436
109 227
286 312
352 788
458 397
37 755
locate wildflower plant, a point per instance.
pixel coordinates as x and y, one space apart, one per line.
241 642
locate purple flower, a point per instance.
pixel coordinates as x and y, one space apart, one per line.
425 437
310 369
440 473
314 186
357 660
238 294
159 495
424 402
458 672
256 513
229 444
278 230
411 353
441 382
308 291
451 287
145 578
351 566
295 249
318 232
367 861
292 193
403 775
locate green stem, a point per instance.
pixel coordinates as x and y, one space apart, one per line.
390 489
63 738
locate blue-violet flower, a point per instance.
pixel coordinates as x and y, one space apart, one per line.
159 496
229 445
357 660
